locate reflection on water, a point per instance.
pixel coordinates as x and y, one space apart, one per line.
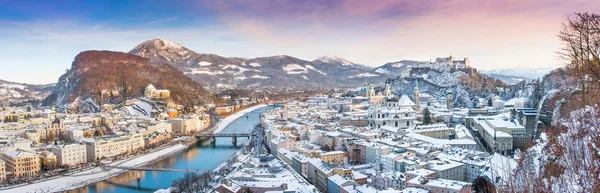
203 156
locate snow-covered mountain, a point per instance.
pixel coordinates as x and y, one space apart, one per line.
218 72
12 92
530 73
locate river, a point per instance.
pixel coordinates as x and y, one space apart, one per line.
202 156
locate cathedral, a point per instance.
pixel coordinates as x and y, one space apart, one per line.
388 109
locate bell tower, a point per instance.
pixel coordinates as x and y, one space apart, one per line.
450 101
417 103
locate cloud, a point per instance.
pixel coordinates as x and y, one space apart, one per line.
492 33
163 20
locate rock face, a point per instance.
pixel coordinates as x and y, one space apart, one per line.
275 72
98 77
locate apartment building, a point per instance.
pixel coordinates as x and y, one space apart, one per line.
448 169
70 155
334 157
20 163
108 147
2 170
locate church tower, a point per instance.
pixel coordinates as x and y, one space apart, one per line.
371 91
388 90
450 100
417 102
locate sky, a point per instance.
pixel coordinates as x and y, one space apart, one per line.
39 39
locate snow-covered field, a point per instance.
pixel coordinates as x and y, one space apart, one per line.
294 69
94 175
228 120
363 75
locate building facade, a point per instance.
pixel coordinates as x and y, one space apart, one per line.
21 163
70 155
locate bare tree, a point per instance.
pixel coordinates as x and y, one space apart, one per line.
581 38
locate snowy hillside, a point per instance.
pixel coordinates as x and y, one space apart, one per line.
12 92
278 72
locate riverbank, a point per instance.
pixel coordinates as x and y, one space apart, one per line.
229 119
96 174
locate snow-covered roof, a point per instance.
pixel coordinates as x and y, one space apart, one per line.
405 101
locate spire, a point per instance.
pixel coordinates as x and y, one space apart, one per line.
417 84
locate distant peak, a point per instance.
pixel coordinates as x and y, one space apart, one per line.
157 45
164 43
335 60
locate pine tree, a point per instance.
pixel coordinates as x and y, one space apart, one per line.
426 116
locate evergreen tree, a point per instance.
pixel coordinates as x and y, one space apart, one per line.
426 116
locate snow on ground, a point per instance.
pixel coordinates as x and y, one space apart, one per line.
204 71
366 74
22 87
397 65
228 120
204 63
240 78
94 175
254 64
294 69
382 71
313 68
259 77
335 59
224 85
241 69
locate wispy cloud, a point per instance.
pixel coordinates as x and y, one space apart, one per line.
163 20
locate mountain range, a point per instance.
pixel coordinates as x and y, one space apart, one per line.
190 75
14 93
520 73
276 72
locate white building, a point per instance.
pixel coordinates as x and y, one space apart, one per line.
389 160
70 155
107 147
375 153
389 179
398 114
448 169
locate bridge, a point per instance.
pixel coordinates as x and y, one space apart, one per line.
233 136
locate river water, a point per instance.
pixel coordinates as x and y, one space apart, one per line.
202 156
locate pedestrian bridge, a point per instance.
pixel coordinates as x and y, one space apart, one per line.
223 135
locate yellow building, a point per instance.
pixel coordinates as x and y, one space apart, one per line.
2 170
153 93
21 163
333 157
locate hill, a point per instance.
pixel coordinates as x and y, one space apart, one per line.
98 77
